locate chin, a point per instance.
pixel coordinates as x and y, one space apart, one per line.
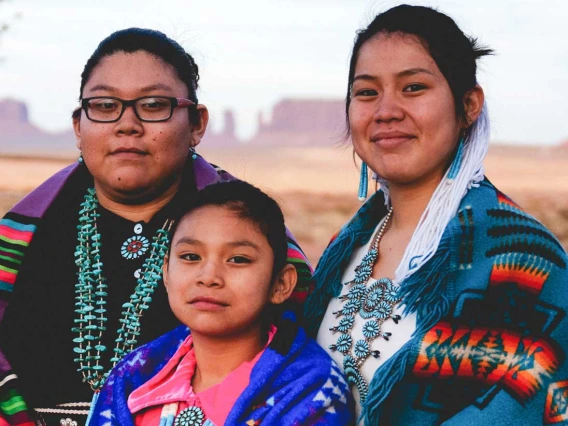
130 187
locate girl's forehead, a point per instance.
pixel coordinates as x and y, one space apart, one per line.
218 222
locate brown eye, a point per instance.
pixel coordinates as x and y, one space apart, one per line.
414 88
106 105
239 259
192 257
366 92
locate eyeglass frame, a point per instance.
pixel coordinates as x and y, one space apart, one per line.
175 103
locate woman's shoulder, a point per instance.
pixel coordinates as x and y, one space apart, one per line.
487 205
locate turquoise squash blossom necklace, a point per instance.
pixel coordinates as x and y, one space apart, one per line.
90 295
373 303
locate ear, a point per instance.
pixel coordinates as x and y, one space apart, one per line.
473 102
77 130
284 285
198 130
165 270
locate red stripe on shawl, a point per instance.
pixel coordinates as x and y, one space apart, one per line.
8 277
295 254
14 234
529 279
503 199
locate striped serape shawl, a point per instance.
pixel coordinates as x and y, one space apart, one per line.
17 229
492 331
293 383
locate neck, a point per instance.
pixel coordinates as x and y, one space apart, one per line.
409 202
135 209
217 357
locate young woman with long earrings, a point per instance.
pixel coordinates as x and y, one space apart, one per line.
443 301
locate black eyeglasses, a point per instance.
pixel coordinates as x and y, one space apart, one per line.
108 109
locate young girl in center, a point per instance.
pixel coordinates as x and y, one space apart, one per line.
239 358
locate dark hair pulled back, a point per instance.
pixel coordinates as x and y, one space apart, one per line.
454 52
249 203
131 40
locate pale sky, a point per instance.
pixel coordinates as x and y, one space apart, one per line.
252 53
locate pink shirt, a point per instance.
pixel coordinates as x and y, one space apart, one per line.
173 384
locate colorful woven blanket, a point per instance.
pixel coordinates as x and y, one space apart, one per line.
17 229
293 383
492 331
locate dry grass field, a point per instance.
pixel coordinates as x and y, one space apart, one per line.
316 187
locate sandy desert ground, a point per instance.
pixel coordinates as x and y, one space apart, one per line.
316 187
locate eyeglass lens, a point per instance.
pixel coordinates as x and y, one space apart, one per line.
150 109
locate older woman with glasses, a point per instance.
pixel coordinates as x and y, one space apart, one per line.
81 256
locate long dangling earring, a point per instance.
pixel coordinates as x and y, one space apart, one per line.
193 153
363 182
80 160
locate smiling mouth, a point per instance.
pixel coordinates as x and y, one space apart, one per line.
391 140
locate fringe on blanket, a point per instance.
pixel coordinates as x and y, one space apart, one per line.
427 291
384 379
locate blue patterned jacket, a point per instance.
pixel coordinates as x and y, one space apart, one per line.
294 382
492 331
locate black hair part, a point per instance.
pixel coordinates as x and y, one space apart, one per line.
249 203
455 53
131 40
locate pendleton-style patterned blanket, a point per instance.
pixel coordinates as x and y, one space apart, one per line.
293 383
491 317
17 229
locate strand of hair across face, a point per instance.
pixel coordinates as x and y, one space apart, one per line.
444 203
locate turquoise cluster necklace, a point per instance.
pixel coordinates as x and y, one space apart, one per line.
374 303
91 293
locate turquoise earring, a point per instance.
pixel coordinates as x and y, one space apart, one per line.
193 153
363 182
80 160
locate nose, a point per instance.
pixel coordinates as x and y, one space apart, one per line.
388 108
210 274
129 124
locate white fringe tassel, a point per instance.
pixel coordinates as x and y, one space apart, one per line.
445 200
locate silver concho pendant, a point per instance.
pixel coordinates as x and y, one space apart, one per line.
190 416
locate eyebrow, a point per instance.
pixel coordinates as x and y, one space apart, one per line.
157 86
364 77
405 73
238 243
245 243
102 87
414 71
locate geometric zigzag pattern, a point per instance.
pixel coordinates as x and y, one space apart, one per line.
556 408
335 385
518 364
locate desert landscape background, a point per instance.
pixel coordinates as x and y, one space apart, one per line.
316 186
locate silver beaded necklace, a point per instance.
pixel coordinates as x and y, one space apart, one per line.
375 304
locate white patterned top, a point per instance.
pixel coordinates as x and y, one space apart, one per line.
401 332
